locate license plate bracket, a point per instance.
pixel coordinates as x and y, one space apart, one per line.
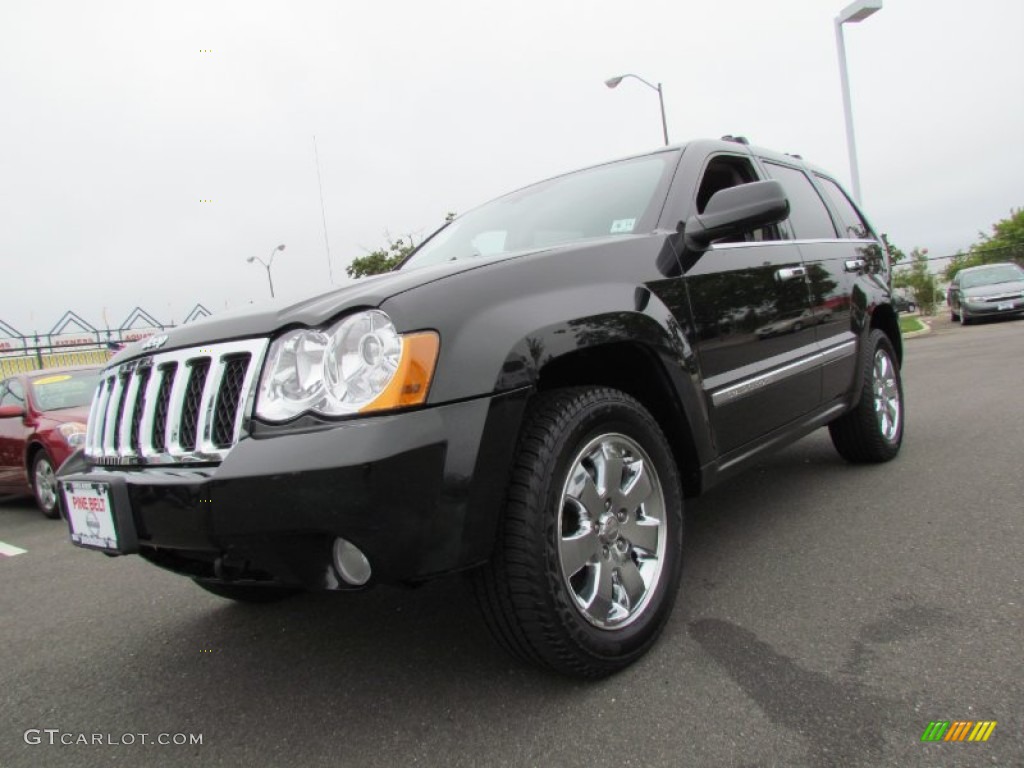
98 513
1004 305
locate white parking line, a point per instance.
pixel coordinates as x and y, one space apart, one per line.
10 550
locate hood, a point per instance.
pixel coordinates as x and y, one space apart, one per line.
67 414
1011 288
266 318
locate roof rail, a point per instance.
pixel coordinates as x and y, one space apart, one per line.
737 139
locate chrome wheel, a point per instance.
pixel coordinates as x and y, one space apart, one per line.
45 484
887 396
588 561
612 531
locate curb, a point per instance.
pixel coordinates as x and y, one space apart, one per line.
927 329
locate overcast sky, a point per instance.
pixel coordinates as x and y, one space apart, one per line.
115 123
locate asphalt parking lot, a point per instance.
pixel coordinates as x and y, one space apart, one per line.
827 614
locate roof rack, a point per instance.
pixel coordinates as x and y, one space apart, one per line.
738 139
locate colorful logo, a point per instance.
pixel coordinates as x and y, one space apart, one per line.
958 730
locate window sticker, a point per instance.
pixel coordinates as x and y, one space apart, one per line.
622 225
50 380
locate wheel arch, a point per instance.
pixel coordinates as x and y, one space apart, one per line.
32 449
884 318
641 372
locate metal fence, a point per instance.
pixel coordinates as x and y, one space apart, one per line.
73 340
41 358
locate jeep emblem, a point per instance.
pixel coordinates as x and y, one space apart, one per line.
155 341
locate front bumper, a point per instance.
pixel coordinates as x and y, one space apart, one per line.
418 492
1007 308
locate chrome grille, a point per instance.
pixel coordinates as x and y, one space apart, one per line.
173 407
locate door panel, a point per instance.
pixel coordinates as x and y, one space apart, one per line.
755 338
841 270
832 269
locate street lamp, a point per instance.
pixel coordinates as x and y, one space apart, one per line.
611 82
266 265
853 13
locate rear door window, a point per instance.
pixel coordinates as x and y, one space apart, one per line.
808 215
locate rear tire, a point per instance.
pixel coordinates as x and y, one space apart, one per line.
44 485
589 548
873 431
248 593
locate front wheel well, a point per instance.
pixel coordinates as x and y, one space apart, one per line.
884 318
635 370
33 450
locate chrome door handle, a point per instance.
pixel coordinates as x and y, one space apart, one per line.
788 273
855 265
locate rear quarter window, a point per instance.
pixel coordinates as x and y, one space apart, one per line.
852 224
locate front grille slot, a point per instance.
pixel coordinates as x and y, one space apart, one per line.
163 397
137 407
173 407
226 411
119 412
190 408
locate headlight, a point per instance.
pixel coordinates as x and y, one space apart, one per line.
359 364
73 433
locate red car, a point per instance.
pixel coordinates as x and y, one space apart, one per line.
42 422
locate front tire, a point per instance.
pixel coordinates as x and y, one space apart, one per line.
873 431
964 320
247 593
588 556
44 485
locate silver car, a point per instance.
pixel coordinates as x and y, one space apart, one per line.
986 291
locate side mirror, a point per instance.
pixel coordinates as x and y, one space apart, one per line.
11 411
735 210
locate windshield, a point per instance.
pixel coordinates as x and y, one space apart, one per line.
64 390
609 200
1004 273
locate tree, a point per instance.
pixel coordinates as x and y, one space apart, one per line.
918 280
387 258
895 254
1006 243
380 261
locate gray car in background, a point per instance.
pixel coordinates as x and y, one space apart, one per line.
986 291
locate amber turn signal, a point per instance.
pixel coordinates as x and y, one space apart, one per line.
411 381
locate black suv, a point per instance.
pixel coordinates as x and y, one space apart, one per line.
528 398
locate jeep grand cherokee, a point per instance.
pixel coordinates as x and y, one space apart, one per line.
528 398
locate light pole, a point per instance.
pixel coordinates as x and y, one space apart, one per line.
266 265
853 13
611 82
